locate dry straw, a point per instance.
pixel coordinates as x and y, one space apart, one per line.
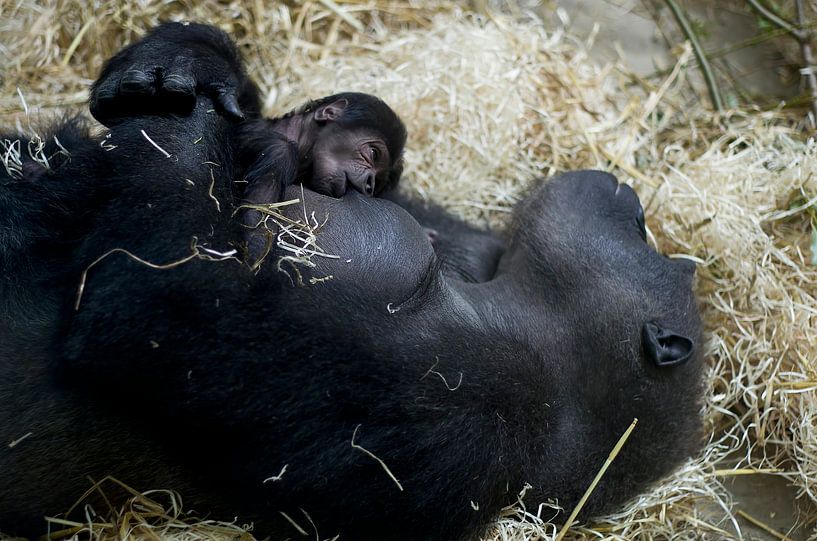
491 102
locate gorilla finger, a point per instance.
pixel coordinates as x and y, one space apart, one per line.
179 77
137 81
104 93
178 92
229 103
181 84
103 98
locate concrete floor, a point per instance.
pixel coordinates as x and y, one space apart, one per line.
644 31
768 498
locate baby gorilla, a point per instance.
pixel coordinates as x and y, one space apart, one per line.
348 139
331 144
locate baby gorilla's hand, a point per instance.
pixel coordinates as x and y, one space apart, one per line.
165 71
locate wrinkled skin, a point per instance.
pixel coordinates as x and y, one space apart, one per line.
470 367
340 158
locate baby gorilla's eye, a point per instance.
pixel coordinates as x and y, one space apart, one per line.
374 153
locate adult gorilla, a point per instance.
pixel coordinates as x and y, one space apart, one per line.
405 401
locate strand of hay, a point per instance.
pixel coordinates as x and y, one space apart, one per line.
152 515
491 102
612 456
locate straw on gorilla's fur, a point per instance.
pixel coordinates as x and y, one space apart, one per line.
492 102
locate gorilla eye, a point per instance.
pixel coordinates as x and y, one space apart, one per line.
642 227
374 152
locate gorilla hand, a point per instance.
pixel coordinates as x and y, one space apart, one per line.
165 71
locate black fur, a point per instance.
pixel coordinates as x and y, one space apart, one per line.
367 111
469 372
265 153
163 73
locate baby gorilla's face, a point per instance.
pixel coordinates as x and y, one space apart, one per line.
343 158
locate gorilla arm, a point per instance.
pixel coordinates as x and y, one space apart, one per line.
270 161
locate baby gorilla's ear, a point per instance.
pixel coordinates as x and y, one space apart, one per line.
664 347
331 111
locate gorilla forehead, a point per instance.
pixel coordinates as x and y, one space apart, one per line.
583 230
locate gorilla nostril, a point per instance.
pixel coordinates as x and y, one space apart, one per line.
369 186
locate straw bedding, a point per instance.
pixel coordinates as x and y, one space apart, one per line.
491 102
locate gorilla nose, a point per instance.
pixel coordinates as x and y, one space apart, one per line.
365 184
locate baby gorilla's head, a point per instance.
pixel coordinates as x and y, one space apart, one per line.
341 159
354 141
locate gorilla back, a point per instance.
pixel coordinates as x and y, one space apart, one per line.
405 401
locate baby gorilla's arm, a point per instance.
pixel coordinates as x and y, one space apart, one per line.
269 161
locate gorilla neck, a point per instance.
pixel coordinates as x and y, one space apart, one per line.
498 308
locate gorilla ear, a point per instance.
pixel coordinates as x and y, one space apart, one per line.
664 347
331 111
